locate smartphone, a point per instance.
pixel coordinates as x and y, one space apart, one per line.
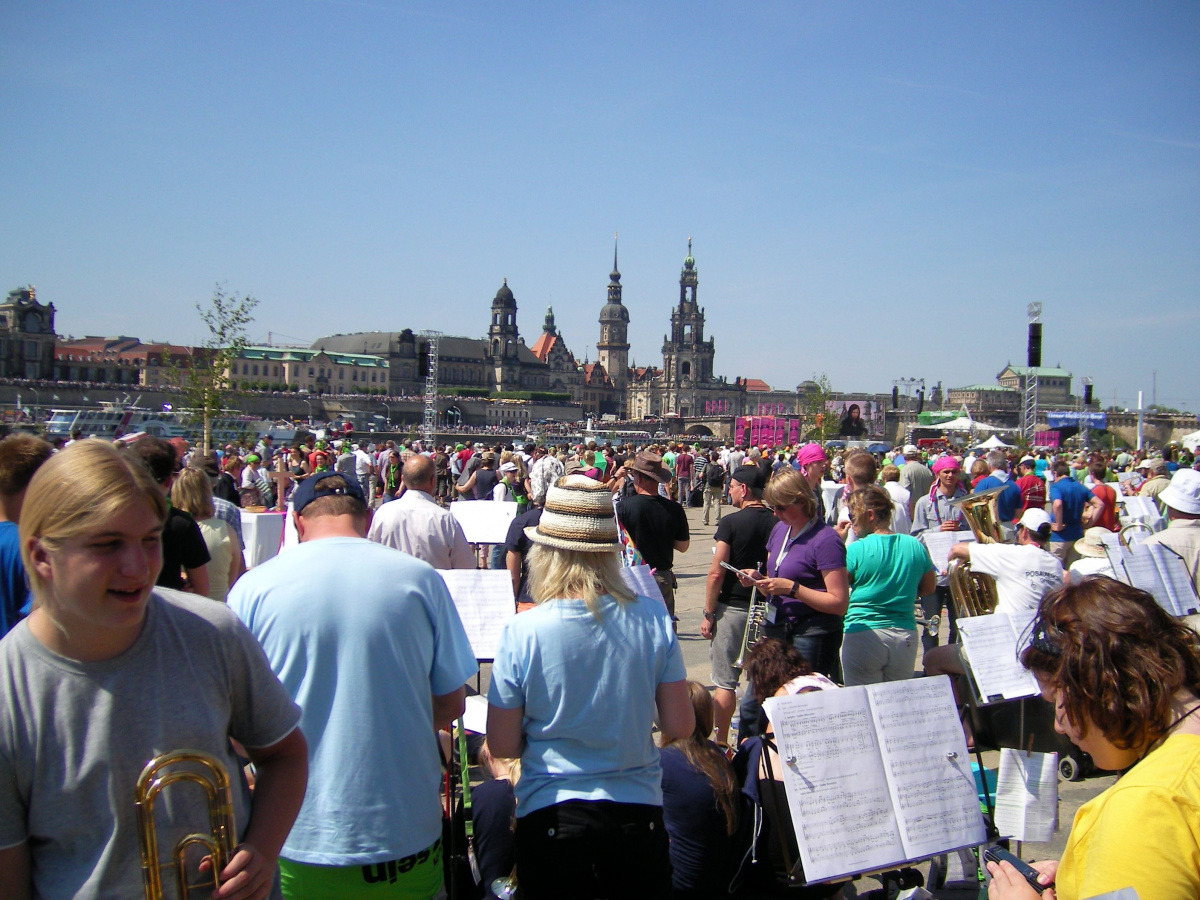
998 854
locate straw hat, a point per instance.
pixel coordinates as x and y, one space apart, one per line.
1092 543
578 515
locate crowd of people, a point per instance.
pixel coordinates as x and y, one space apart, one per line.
321 679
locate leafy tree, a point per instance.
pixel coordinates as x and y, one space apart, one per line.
816 424
207 384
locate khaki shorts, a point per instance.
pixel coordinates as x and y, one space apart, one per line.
730 627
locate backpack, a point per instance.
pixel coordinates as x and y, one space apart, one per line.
716 476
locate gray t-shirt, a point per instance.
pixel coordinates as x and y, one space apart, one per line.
74 737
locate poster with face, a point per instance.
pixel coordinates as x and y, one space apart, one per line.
855 418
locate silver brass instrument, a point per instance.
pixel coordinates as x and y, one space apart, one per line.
199 768
973 593
756 620
931 624
1133 528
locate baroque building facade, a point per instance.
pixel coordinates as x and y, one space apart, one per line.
27 336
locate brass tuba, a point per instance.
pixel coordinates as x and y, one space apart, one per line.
973 593
199 768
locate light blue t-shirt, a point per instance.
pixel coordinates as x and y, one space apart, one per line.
361 636
588 691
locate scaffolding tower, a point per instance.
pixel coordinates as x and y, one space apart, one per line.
1030 405
429 423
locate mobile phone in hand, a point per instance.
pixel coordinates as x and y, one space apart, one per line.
998 854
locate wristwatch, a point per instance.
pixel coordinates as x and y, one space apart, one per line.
710 616
795 589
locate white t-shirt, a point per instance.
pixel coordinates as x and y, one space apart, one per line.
362 462
1023 574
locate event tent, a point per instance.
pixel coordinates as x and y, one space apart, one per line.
993 443
1191 441
965 423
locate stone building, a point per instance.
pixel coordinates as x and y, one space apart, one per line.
125 360
1053 383
26 336
315 371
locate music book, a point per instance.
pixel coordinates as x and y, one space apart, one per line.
484 521
1027 795
1143 509
993 644
484 599
938 543
1161 572
875 776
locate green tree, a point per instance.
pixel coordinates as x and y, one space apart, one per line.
207 384
816 423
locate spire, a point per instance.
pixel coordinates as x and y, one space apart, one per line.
615 277
548 326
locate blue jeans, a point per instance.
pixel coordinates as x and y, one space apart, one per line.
822 652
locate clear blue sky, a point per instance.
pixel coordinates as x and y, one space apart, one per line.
875 190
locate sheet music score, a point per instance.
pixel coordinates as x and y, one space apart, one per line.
484 521
1161 572
939 543
991 646
475 715
929 769
640 580
484 599
876 775
1027 795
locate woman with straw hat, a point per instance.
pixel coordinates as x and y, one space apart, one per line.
573 693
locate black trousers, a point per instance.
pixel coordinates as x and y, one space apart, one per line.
591 849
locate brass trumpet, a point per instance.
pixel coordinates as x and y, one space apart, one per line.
973 593
756 619
199 768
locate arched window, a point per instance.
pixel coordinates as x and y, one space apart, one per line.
686 368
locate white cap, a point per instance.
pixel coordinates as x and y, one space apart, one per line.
910 448
1034 519
1183 493
508 467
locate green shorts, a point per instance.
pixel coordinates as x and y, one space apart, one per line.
415 877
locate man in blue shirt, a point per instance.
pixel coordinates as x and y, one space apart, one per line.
1008 501
20 456
368 642
1068 499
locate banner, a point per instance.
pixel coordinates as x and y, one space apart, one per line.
1074 418
1046 439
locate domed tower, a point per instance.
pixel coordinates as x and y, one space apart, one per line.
612 350
502 340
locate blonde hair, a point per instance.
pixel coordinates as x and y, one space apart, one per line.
789 487
192 492
704 756
874 499
556 574
79 490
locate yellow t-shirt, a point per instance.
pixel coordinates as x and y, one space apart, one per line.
1143 832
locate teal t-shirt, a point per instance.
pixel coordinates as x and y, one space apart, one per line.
885 570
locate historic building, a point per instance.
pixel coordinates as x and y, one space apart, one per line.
315 371
685 386
26 336
1053 383
612 350
125 360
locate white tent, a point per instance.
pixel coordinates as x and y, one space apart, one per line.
964 424
1191 441
993 443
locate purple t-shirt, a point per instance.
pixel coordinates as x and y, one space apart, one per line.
815 550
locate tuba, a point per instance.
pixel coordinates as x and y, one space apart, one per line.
973 593
161 772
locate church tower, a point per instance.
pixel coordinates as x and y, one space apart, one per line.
502 341
687 356
612 350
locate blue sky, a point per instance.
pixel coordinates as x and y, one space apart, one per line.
875 191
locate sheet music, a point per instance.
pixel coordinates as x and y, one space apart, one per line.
1144 574
991 646
639 580
939 543
1027 795
834 778
929 771
484 598
484 521
1175 577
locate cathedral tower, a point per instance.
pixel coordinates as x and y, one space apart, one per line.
612 350
687 356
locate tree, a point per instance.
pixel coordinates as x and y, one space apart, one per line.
208 382
816 423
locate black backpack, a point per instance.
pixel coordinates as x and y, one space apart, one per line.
716 475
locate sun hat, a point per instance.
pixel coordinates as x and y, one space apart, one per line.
578 515
508 467
1183 493
811 453
1027 461
1092 543
1157 466
650 465
310 490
